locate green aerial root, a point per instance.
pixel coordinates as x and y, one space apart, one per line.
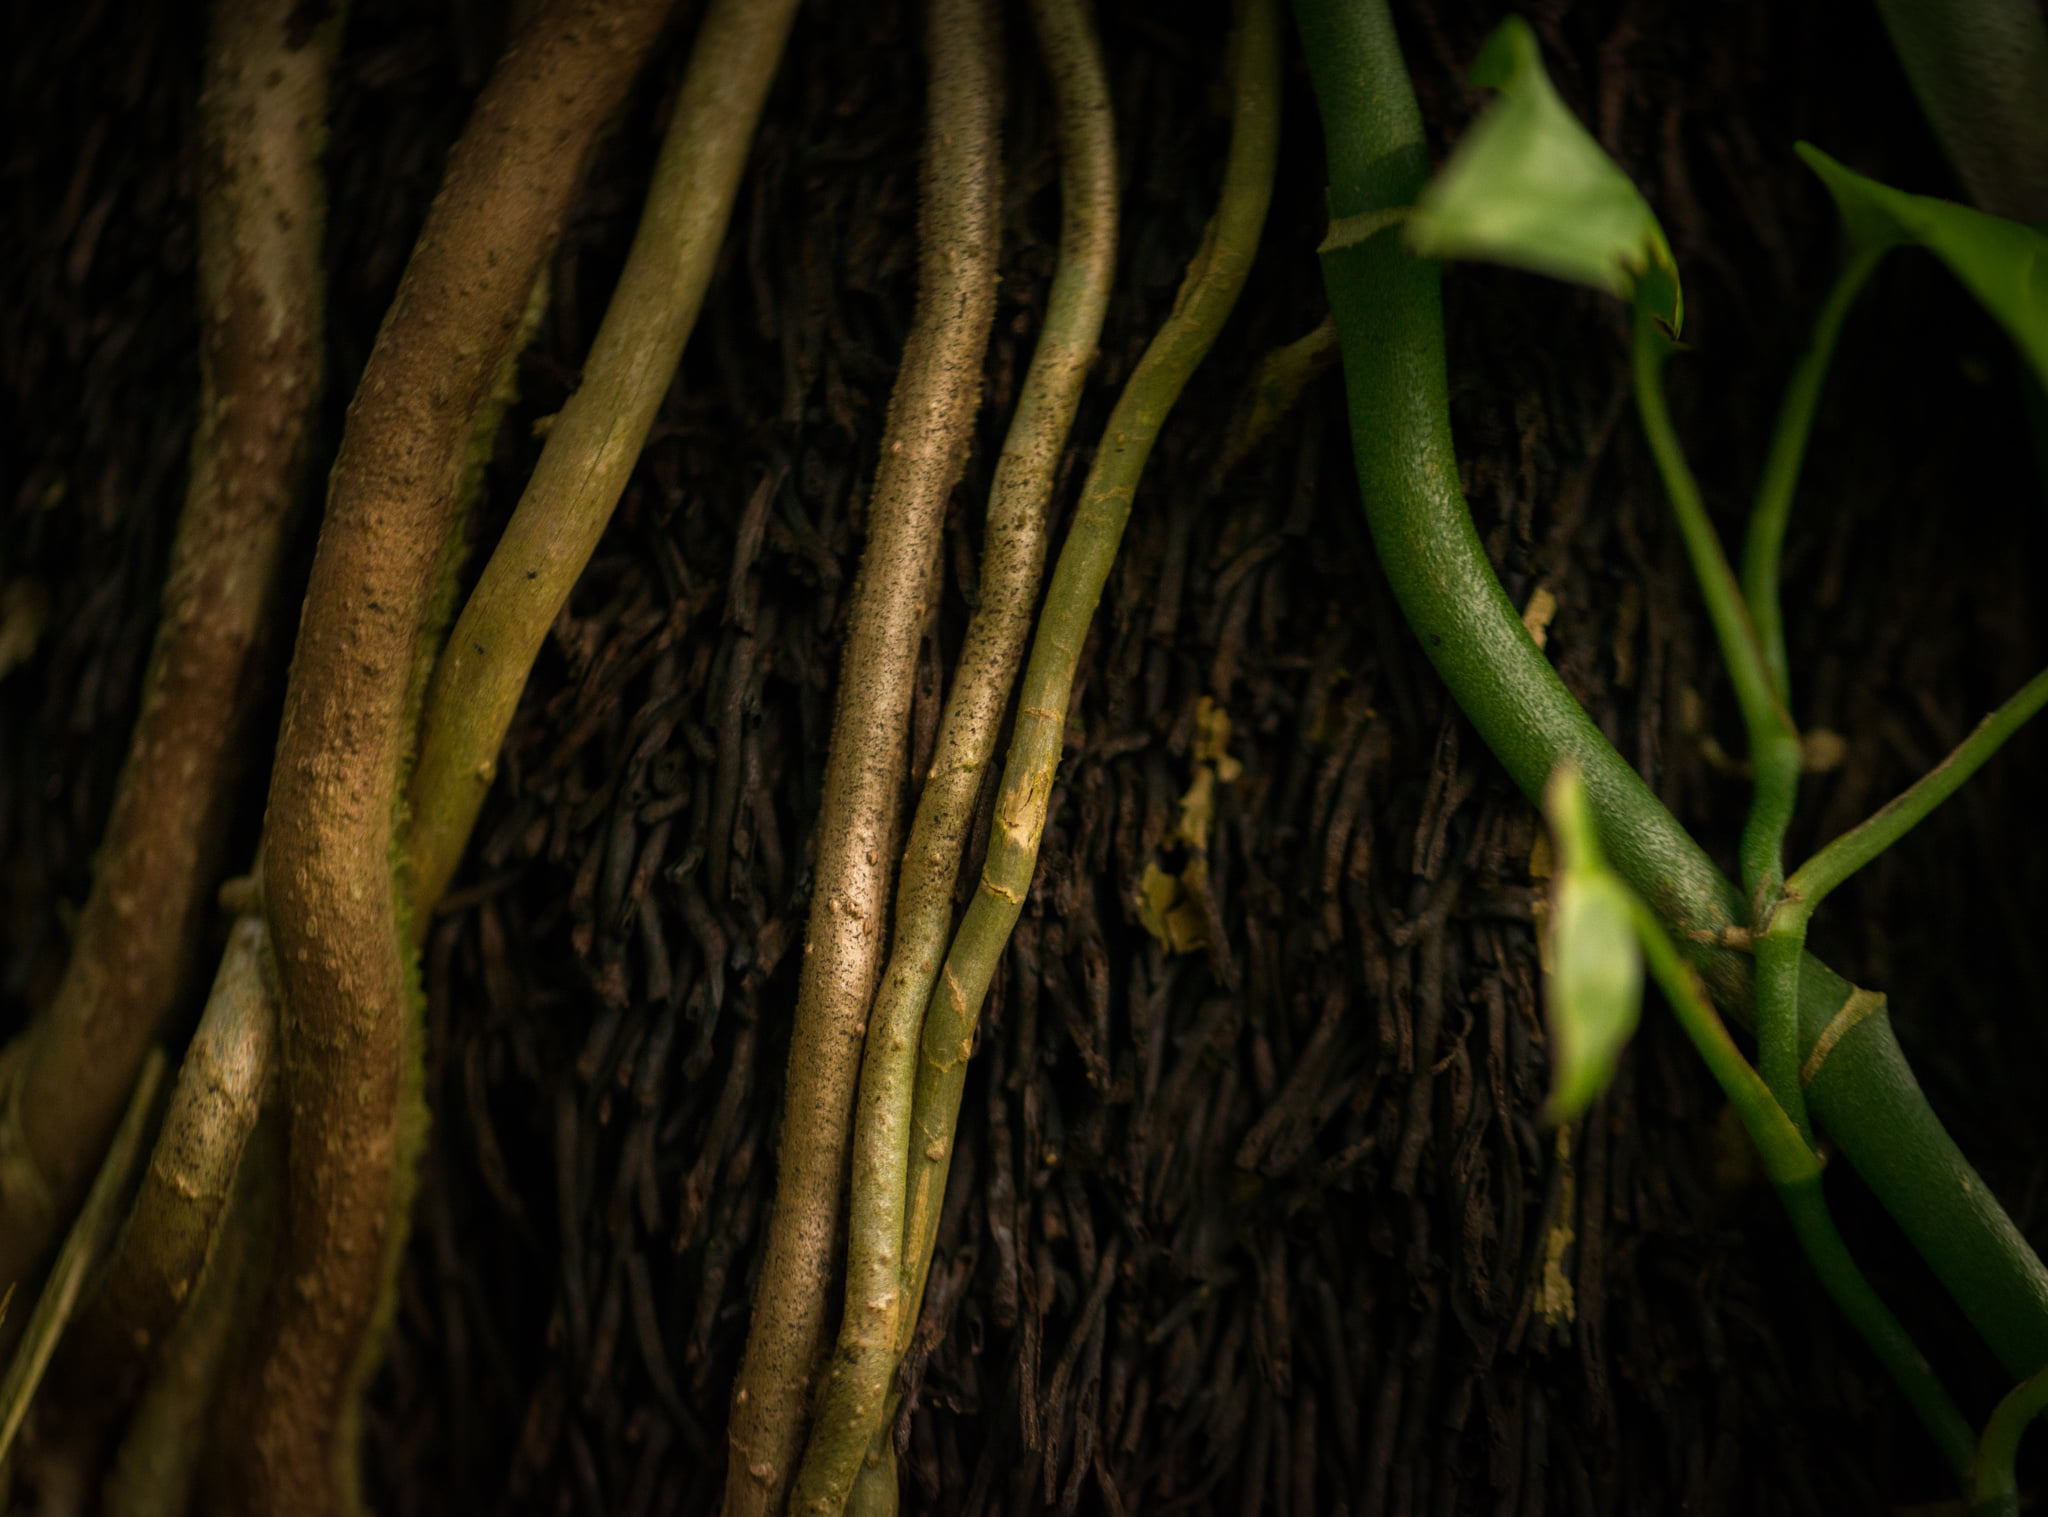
1994 1490
851 1404
1390 324
595 440
1206 296
924 448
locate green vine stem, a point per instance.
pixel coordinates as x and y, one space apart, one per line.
931 414
1774 755
1206 297
851 1405
261 299
1795 1172
1763 547
1819 875
83 1247
1780 949
348 1034
1994 1491
1390 324
596 439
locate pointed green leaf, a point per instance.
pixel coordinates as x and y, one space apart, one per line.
1530 187
1593 985
2002 263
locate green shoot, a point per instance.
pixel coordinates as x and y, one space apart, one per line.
1763 549
1787 1156
1593 977
1810 885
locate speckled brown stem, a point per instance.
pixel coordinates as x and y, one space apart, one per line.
1013 560
348 730
938 390
263 115
176 1216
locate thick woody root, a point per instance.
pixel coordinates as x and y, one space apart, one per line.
938 390
348 729
262 206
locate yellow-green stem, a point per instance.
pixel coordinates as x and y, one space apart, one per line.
1206 296
851 1404
595 440
171 1229
349 1035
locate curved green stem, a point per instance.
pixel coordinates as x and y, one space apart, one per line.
1205 300
1810 885
1390 324
1772 737
596 439
850 1407
1994 1491
1778 957
1763 548
1794 1170
1873 1320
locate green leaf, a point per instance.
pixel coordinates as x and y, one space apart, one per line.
2002 263
1530 187
1593 982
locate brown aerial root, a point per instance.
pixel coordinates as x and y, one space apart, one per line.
176 1219
347 732
938 389
261 286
